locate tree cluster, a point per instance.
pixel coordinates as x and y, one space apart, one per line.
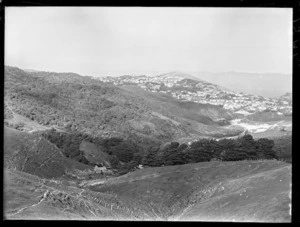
203 150
118 149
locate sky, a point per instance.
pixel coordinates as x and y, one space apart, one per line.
109 41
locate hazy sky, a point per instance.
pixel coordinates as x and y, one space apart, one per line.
108 41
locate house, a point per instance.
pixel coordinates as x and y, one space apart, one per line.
101 169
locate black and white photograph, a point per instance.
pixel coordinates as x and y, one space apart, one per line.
167 114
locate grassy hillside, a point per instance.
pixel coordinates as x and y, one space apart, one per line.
22 123
33 154
29 197
261 197
210 191
233 191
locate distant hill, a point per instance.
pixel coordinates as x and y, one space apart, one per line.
186 87
187 110
179 74
264 84
287 97
192 77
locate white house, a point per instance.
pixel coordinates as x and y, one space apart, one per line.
101 169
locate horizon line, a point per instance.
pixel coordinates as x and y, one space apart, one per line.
144 72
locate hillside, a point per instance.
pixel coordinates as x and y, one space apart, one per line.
204 113
28 197
33 154
211 191
40 183
76 103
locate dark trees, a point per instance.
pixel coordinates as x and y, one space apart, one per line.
265 148
151 158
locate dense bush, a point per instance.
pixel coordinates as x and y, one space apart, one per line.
118 148
206 150
124 151
82 104
68 143
283 148
174 153
70 101
152 158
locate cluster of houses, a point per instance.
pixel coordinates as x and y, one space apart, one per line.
203 92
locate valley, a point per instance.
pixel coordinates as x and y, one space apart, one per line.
77 148
146 114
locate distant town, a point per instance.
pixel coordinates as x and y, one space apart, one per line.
207 93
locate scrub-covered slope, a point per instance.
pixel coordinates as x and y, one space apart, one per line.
78 103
